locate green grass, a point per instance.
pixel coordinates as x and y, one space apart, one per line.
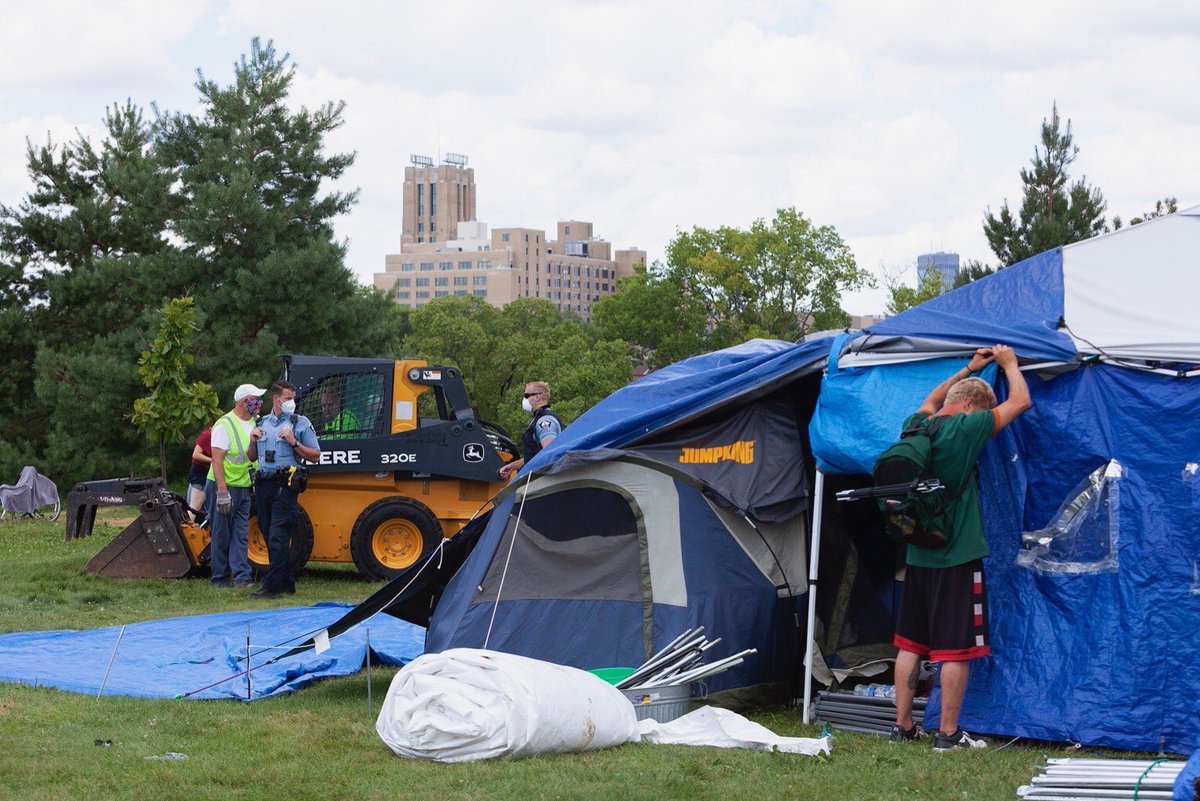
321 742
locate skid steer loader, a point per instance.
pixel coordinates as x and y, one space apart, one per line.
391 482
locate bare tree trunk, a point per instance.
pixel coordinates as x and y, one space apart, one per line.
162 458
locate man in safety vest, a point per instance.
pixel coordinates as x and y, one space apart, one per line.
339 423
229 484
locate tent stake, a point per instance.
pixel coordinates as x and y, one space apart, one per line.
111 659
813 562
248 695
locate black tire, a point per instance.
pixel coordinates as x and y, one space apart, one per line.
302 543
399 523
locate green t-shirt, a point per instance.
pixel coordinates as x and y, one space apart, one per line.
956 448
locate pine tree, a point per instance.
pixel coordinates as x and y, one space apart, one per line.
1055 211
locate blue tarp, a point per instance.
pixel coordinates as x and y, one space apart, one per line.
169 658
680 391
848 433
1019 306
1187 785
1102 658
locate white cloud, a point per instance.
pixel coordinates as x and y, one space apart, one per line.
897 123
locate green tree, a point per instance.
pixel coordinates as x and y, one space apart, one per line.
655 314
780 279
973 270
1055 211
175 407
1168 205
903 297
223 204
500 350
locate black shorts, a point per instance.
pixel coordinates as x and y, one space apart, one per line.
943 613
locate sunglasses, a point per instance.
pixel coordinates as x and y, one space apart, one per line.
532 394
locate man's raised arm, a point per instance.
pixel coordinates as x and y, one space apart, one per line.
937 398
1018 401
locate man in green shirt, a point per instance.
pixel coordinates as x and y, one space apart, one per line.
943 606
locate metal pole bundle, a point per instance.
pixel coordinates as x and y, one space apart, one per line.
1103 780
681 662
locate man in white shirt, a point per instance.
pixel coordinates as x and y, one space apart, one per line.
229 484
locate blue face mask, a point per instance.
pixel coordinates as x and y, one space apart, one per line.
254 405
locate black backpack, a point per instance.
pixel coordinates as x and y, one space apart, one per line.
909 495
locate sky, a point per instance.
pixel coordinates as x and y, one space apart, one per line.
899 124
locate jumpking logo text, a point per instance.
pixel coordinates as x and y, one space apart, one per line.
741 452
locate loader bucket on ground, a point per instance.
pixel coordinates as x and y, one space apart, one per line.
150 547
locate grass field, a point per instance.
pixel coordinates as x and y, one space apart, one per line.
321 742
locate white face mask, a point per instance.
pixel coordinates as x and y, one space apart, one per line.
527 406
288 407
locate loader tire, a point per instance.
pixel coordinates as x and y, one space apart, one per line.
302 543
392 535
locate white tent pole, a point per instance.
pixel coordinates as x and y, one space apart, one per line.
813 561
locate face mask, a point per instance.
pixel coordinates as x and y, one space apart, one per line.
527 406
288 407
253 405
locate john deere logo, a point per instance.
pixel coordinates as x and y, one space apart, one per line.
472 452
740 452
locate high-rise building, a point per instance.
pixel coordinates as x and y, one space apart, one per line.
944 263
446 252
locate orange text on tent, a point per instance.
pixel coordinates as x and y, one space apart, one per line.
740 452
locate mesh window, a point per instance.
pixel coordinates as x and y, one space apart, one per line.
577 544
346 406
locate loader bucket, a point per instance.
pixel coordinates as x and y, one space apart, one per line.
150 547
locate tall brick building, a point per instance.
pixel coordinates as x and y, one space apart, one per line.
445 251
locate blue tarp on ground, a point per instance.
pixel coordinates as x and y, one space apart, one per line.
168 658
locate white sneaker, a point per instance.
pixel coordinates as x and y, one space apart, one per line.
960 739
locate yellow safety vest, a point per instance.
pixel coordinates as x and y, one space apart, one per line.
237 461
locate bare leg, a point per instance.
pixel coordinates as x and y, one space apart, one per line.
195 499
907 674
954 686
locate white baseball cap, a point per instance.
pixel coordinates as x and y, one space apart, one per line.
246 391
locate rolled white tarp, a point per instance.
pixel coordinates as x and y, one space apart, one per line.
466 705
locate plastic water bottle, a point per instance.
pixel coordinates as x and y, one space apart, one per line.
876 690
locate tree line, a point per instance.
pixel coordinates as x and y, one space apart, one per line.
148 273
1055 210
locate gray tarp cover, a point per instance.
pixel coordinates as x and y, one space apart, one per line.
31 492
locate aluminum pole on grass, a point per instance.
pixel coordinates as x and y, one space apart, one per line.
813 561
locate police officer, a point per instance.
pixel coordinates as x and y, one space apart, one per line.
283 440
542 429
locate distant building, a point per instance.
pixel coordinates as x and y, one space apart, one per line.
445 251
861 321
944 263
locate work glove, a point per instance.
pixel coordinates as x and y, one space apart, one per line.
224 502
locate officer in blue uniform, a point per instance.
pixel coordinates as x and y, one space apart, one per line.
542 429
282 442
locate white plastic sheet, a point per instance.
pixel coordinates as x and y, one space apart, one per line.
466 705
721 728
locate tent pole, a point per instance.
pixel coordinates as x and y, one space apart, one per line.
813 562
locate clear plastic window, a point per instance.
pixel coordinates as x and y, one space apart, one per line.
1082 536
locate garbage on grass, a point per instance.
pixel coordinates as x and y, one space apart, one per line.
721 728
